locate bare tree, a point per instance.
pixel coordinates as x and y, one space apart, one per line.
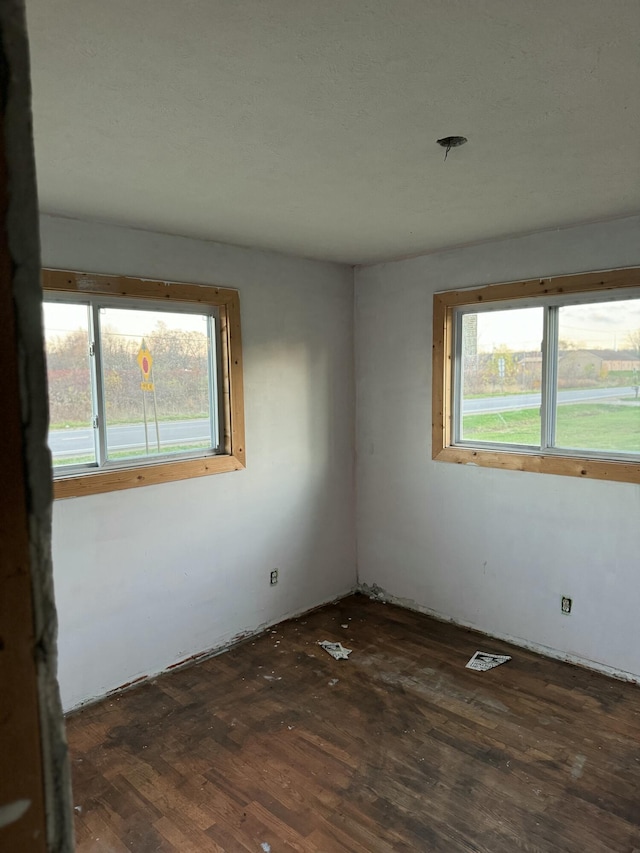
180 374
633 342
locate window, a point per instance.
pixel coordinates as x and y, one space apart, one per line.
145 381
541 375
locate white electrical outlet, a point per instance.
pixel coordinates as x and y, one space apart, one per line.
566 604
273 577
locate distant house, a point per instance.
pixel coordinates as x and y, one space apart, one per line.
530 359
619 360
583 363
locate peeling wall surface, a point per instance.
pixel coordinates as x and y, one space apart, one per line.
488 548
148 577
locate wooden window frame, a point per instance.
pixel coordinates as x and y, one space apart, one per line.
444 304
228 303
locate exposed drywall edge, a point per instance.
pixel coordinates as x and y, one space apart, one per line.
377 593
237 640
24 245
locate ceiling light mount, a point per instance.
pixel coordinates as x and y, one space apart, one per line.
449 142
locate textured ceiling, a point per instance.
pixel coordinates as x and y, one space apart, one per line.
309 126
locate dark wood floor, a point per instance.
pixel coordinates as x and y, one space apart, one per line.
276 745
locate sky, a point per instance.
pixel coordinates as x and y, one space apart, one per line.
597 325
61 318
590 326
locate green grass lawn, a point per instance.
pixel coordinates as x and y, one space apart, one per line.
581 426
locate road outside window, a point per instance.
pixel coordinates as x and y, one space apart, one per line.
143 386
145 381
541 375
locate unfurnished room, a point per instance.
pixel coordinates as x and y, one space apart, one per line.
321 426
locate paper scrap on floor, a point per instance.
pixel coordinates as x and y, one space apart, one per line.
336 650
483 661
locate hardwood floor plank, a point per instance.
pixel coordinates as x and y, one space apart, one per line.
181 842
399 748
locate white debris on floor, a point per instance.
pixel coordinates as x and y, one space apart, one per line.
336 650
484 661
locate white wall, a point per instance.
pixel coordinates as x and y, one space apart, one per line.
493 549
488 548
150 576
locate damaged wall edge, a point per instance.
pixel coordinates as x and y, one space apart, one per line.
377 593
238 639
22 235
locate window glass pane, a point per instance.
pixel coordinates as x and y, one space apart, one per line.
598 376
500 376
71 435
156 382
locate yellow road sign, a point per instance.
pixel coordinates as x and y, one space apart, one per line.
145 360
